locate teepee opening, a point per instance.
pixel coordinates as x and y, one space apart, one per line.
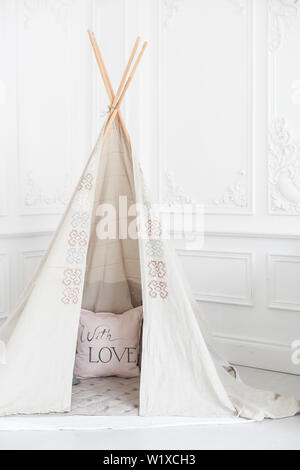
112 280
112 275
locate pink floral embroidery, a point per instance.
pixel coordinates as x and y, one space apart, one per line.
70 295
154 249
72 276
81 202
153 228
157 268
75 255
77 238
86 182
80 219
71 279
158 288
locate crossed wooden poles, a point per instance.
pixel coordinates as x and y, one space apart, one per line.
116 99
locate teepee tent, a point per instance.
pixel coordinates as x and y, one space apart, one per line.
181 375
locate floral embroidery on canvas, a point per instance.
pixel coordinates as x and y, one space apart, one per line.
71 281
146 192
70 295
75 255
77 238
153 228
147 206
80 220
86 182
154 249
158 289
157 269
72 276
81 202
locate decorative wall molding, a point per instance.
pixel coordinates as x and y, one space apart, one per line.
284 170
3 193
283 147
219 234
58 9
238 196
223 298
3 163
235 194
4 285
174 193
18 235
283 15
261 354
274 262
239 5
171 8
265 236
34 197
37 197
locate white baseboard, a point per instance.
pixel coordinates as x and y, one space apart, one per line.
257 354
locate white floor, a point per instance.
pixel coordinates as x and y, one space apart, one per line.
280 434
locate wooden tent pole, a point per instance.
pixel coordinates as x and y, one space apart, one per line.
101 66
106 80
116 110
126 71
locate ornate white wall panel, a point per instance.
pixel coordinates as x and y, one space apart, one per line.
209 154
222 277
47 87
284 275
3 189
253 353
44 105
284 106
4 285
45 116
5 87
258 330
20 255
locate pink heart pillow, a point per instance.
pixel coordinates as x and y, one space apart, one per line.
108 344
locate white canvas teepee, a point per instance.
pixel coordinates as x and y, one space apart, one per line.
180 373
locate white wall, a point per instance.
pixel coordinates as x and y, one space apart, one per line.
227 127
45 128
213 114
